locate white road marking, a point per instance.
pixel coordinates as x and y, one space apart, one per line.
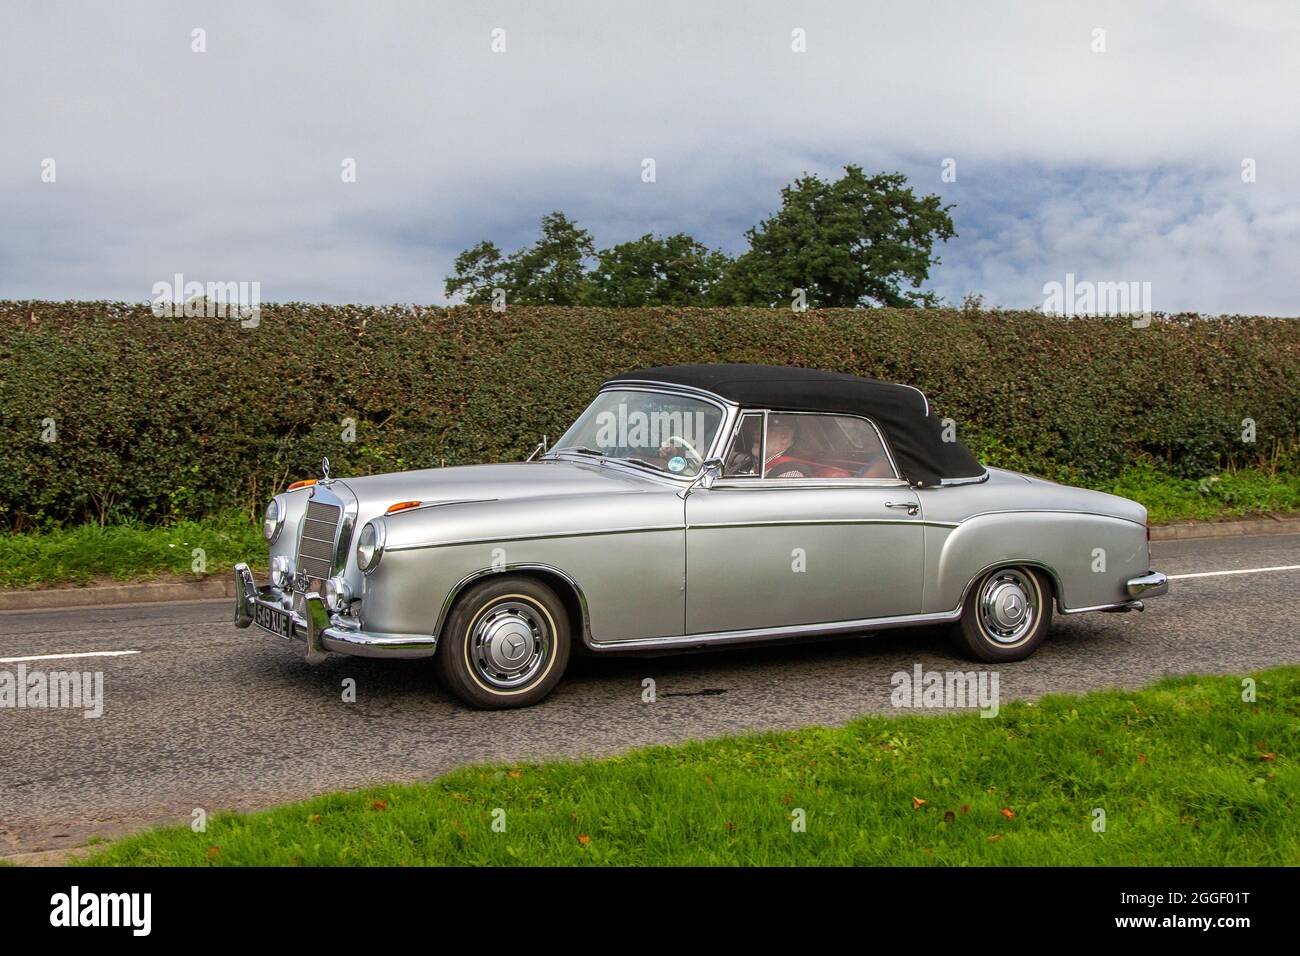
56 657
1215 574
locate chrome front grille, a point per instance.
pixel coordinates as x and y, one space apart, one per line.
316 542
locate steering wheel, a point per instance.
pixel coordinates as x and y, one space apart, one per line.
685 446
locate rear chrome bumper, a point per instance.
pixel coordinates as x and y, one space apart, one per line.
321 631
1151 584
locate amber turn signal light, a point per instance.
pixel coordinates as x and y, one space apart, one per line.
403 506
305 483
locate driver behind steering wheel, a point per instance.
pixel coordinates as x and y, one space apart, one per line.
676 447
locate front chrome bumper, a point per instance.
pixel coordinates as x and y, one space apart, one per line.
1151 584
321 631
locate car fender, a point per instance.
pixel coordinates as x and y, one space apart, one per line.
1088 557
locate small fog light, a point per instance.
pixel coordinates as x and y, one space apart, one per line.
280 575
338 595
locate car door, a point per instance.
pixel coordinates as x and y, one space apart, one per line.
764 552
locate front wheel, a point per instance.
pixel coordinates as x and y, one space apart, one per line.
1006 615
505 644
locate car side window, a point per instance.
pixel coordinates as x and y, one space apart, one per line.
824 447
742 458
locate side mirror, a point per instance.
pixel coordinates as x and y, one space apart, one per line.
710 471
541 449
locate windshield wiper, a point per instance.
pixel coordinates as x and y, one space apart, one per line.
642 463
592 452
582 450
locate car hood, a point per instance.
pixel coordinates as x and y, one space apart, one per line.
536 479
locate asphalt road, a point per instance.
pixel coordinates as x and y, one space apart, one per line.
207 715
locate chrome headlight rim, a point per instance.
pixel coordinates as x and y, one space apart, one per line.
273 520
281 573
370 546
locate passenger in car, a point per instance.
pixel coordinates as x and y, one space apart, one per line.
787 459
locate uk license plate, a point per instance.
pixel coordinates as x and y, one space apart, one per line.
272 619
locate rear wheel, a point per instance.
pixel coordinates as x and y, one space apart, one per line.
505 643
1006 615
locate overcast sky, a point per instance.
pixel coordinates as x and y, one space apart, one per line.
225 165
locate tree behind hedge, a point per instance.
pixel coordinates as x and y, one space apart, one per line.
858 240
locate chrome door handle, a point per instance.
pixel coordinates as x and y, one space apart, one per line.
911 506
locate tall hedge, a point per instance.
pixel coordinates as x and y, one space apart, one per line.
156 418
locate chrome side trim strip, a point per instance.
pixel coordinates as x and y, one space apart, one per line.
776 633
754 483
648 529
753 635
537 537
820 521
1049 511
1122 605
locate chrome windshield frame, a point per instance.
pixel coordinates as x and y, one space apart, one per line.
728 410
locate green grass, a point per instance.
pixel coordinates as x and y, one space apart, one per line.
1186 772
1226 495
127 552
131 551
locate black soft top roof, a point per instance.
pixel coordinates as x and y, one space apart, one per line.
914 432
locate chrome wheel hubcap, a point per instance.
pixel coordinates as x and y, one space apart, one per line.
510 643
1008 606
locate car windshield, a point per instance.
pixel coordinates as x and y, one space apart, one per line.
653 430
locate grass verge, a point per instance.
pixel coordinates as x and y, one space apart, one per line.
1186 772
1217 497
128 552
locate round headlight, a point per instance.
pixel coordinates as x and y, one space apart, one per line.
280 571
273 520
338 595
370 546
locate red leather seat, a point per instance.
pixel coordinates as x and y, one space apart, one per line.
814 469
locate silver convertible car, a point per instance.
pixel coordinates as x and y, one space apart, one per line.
689 507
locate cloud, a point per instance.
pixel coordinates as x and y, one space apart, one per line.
226 164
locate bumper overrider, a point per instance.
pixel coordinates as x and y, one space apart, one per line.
1151 584
320 630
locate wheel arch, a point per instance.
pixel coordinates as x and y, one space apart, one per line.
1052 577
564 586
